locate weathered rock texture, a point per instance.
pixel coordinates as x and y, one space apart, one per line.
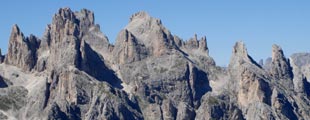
22 51
280 67
74 73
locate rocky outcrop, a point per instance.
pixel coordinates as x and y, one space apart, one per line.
283 106
68 32
151 33
127 48
300 64
280 66
194 43
220 108
73 72
248 79
98 42
22 51
64 33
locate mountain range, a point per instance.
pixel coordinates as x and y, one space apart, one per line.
74 73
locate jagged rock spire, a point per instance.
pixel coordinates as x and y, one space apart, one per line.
247 77
140 15
280 67
67 22
240 50
22 51
203 44
68 30
239 55
192 43
151 33
195 43
78 83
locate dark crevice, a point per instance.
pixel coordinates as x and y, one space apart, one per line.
306 86
287 108
188 76
254 62
290 70
93 64
74 113
47 94
3 84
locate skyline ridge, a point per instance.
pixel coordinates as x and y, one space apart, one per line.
259 24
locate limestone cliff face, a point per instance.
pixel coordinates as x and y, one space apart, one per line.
73 72
127 48
248 78
22 51
280 67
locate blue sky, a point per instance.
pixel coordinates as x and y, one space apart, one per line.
259 24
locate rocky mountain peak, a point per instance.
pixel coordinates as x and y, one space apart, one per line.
151 33
277 53
140 15
22 51
73 72
203 44
16 34
239 55
195 43
240 50
280 67
68 22
15 29
65 14
141 22
68 31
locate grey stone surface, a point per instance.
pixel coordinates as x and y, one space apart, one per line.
280 67
73 72
22 50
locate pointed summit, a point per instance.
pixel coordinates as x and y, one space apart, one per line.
277 53
22 51
248 80
280 67
65 13
240 50
140 15
203 44
15 29
195 43
16 34
63 38
240 56
142 22
67 22
150 32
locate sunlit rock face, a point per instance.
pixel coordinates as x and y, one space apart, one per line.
73 72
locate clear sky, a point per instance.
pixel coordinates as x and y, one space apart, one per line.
258 23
